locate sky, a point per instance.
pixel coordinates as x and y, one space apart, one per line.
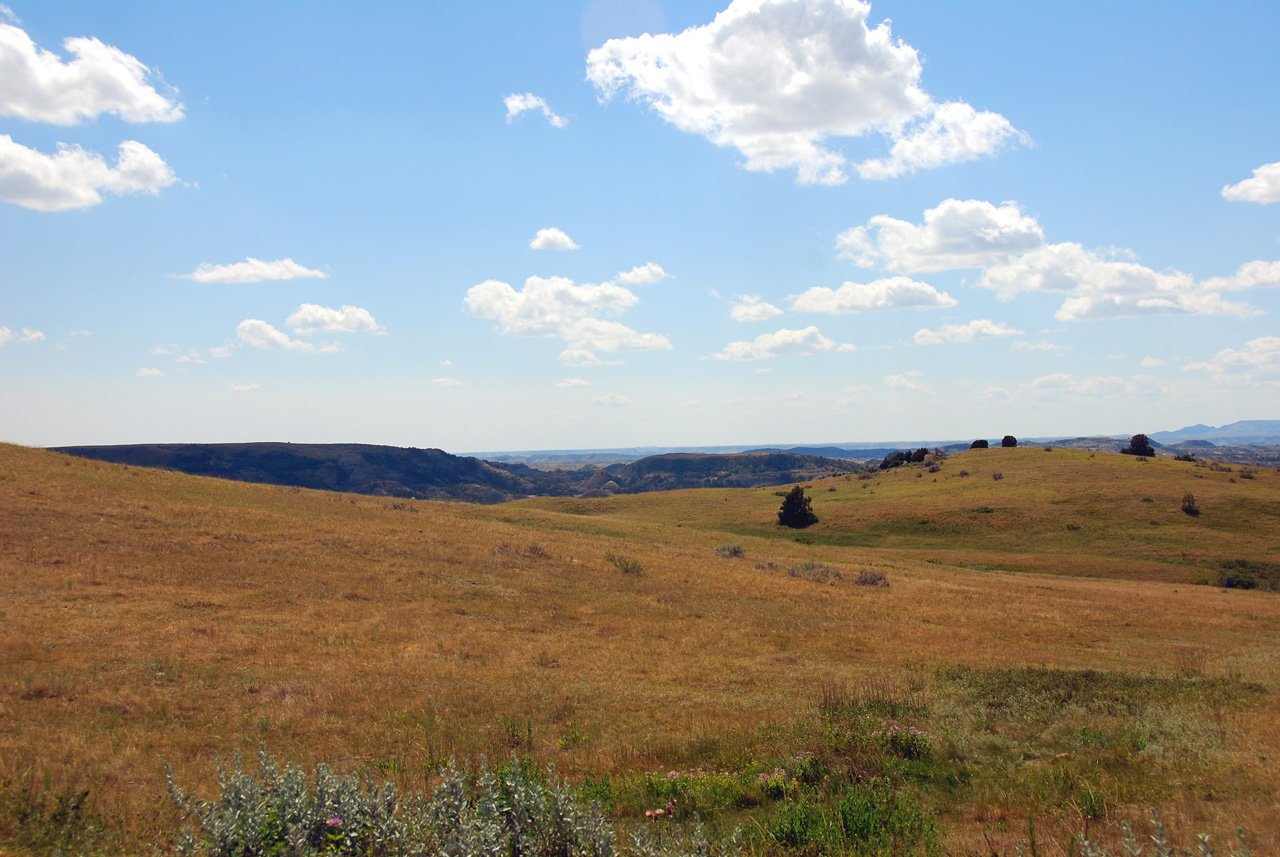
494 226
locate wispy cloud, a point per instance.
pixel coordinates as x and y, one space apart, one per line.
517 104
252 270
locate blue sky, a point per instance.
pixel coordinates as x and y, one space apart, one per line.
492 226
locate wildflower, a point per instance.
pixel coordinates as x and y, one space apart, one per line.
333 821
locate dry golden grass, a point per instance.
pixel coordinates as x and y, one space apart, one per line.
149 617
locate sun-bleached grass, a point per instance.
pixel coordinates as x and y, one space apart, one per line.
149 617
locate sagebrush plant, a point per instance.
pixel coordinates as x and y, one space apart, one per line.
1161 845
731 550
512 812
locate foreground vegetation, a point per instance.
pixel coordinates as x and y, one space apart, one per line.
1040 663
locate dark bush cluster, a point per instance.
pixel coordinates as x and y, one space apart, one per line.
797 510
1009 441
979 444
1139 445
897 459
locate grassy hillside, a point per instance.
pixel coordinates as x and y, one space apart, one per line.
1042 631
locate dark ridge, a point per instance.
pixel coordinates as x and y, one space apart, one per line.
432 474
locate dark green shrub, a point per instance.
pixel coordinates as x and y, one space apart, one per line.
876 819
795 825
979 444
797 510
1189 504
1139 445
1009 441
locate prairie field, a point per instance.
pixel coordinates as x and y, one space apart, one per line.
1059 648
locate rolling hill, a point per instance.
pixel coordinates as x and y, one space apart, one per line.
432 474
1044 632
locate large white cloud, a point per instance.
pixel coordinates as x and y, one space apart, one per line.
1104 288
979 328
778 79
517 104
552 239
73 177
784 343
1251 275
1258 360
556 306
1010 248
40 87
1264 187
752 308
955 234
313 318
252 270
5 335
948 133
888 293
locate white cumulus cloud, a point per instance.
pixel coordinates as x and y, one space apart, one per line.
1150 362
557 307
1258 360
73 177
446 382
1263 188
572 382
244 388
650 272
784 343
979 328
256 333
1251 275
5 335
1105 288
145 372
885 294
752 308
955 234
517 104
612 399
778 80
312 318
252 270
40 87
552 239
29 335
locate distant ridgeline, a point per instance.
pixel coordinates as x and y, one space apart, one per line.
432 474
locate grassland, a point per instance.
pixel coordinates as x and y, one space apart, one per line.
1045 632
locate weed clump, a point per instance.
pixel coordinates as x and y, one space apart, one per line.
282 811
870 577
1189 505
815 571
624 564
731 550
